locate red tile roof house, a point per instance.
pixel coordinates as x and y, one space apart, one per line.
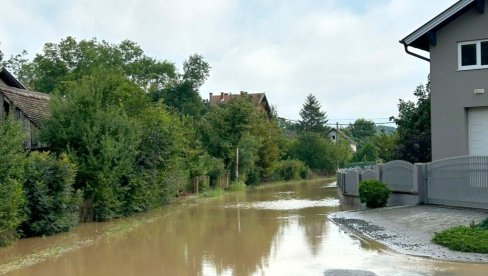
29 107
455 42
259 100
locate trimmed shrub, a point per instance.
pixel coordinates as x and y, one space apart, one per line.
12 200
374 193
52 203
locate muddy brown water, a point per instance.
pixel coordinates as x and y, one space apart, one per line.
276 230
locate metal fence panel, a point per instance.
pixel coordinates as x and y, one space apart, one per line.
398 175
458 181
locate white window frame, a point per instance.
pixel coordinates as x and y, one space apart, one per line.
478 55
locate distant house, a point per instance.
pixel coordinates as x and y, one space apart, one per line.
457 41
259 100
26 106
335 135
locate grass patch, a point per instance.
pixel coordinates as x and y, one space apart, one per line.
464 238
212 193
237 186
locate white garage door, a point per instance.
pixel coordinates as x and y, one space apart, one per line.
478 131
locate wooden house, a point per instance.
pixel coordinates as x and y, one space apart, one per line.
26 106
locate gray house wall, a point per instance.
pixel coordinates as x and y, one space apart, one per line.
452 91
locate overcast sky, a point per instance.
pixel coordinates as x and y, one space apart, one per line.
345 52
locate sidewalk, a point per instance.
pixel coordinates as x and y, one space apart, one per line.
409 229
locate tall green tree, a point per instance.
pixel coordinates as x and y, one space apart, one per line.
184 94
91 123
238 124
362 130
313 119
414 132
316 151
70 60
385 145
367 153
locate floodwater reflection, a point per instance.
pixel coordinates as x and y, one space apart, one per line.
280 230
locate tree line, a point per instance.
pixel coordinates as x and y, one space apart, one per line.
409 141
128 132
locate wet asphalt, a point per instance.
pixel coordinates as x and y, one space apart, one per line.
410 229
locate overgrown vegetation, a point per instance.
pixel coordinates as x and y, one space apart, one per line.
414 132
212 192
52 203
12 200
237 186
473 238
292 169
128 133
374 193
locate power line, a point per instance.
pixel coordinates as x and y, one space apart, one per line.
347 124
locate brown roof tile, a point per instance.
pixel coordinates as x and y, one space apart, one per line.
226 97
34 105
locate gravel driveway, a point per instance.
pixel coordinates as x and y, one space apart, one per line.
409 229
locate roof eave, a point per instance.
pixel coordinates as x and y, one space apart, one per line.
417 38
12 81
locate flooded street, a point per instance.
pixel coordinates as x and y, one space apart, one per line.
280 230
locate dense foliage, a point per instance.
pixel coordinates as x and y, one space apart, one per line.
292 170
237 125
12 160
69 60
362 130
52 203
374 193
317 152
127 133
414 133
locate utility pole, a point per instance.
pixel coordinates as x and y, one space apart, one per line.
337 130
337 141
237 164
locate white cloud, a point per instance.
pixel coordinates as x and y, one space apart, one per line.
348 56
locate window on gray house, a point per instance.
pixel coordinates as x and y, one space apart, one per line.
468 55
484 53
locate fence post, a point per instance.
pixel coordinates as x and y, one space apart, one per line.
419 181
196 181
378 168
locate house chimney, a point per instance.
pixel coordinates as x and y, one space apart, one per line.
222 96
210 97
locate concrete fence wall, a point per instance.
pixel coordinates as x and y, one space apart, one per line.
459 181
